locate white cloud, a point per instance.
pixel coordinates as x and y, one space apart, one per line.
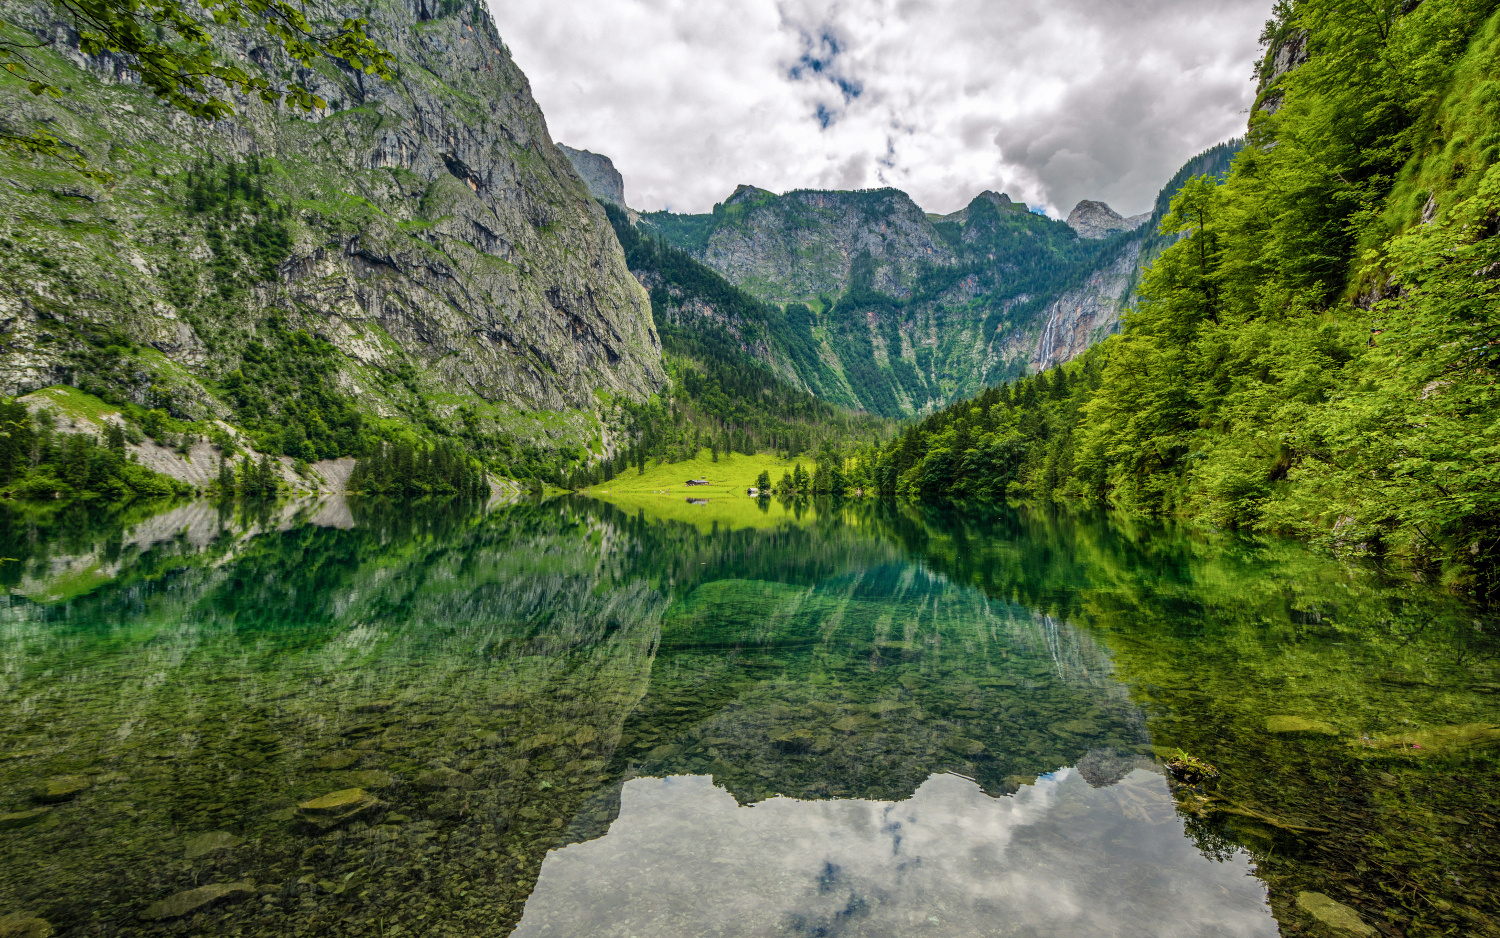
1057 858
1050 101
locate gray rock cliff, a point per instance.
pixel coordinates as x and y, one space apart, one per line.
438 240
598 173
1097 220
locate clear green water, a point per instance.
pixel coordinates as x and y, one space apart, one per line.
557 719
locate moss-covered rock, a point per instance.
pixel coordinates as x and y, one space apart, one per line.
184 903
1338 919
61 788
338 807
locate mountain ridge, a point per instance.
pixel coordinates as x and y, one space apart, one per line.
896 310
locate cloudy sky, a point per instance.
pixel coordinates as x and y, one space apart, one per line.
1050 101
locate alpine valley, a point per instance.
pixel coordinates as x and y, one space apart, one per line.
420 260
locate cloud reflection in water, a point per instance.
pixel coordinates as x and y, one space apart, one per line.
1057 858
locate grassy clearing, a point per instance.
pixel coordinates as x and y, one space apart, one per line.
71 404
730 476
662 492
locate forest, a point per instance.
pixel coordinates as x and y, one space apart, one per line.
38 460
1316 354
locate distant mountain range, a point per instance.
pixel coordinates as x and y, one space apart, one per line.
867 301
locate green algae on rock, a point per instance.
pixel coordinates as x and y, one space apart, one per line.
25 925
1284 723
1338 918
61 788
191 900
211 843
338 807
24 818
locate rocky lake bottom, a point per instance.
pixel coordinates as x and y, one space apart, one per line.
562 719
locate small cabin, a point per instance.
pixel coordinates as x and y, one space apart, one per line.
752 491
697 481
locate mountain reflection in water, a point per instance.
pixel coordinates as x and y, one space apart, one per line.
396 720
1058 857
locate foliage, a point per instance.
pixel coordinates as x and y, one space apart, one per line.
1304 359
37 461
285 396
403 469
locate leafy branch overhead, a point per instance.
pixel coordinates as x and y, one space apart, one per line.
170 47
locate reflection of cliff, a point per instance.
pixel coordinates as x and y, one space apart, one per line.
1309 685
864 685
468 674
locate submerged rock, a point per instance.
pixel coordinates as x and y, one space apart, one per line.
212 842
443 777
24 925
964 746
1285 723
371 778
336 761
337 807
61 788
1102 768
23 818
796 741
1334 916
1439 740
192 900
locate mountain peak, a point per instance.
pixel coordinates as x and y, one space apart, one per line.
1097 220
744 193
598 172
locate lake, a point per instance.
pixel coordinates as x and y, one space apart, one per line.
565 718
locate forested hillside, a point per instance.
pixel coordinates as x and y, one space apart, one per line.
1317 353
716 342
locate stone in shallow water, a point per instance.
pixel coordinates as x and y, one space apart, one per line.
1284 723
1441 740
23 818
212 842
337 807
24 925
61 788
1334 916
964 746
443 777
194 899
371 778
796 741
336 761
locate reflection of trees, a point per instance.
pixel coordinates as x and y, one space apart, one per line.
1213 633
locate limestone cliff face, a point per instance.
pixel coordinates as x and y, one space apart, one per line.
1087 313
440 242
804 244
598 173
902 311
